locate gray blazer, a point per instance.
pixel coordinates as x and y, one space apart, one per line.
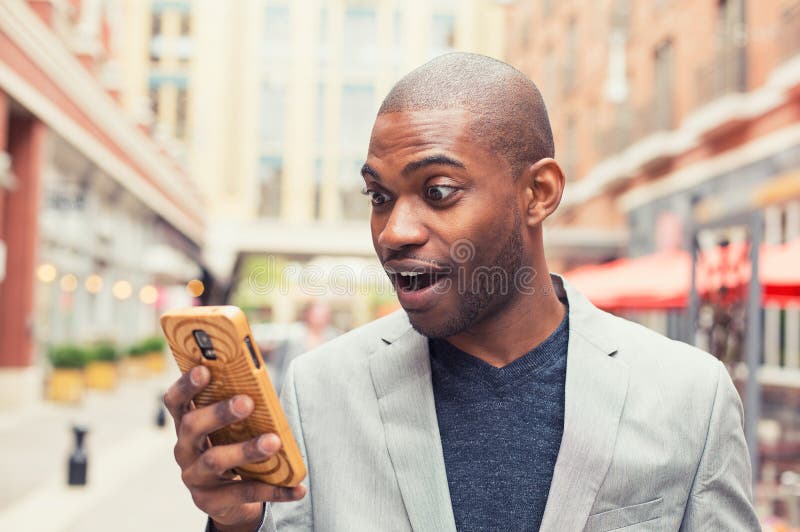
652 440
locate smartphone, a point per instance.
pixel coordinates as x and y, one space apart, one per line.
219 338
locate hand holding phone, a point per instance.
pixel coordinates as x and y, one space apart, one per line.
207 409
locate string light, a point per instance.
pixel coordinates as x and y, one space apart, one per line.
46 273
195 288
148 294
69 283
93 283
122 290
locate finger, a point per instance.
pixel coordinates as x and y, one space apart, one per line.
215 464
180 394
198 423
217 500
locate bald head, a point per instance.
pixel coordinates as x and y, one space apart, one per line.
509 115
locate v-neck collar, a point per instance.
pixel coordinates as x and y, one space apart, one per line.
532 363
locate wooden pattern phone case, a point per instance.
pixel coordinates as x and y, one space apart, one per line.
234 361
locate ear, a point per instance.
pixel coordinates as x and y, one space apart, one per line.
543 183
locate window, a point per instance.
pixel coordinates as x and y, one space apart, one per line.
155 25
398 41
358 113
571 149
319 111
571 65
322 38
355 206
186 24
730 45
154 103
360 38
270 174
443 29
273 109
181 112
277 33
318 171
663 86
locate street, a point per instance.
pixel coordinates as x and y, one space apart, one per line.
133 482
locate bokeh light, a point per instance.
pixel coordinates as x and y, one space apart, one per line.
122 290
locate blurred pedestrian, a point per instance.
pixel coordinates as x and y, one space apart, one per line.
313 329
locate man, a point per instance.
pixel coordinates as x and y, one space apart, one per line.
499 398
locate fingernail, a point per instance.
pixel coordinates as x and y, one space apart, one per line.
242 405
197 375
268 443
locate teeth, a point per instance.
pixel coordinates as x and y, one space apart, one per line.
409 274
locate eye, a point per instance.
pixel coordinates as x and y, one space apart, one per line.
439 192
376 198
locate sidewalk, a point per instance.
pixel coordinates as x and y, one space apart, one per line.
133 482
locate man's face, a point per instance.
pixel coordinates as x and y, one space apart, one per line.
445 219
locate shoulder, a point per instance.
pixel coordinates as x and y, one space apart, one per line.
676 372
638 345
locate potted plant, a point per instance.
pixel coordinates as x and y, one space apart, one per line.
136 364
101 369
154 347
66 380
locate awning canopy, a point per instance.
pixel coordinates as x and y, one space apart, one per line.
663 280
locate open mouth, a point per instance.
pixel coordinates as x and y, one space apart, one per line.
415 281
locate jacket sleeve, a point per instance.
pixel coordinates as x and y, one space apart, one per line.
291 516
721 496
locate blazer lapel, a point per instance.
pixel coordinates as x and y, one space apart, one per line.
596 387
401 375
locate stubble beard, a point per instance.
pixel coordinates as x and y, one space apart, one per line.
493 297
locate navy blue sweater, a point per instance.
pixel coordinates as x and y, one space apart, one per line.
501 431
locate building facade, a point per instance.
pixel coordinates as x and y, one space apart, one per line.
273 101
97 221
670 116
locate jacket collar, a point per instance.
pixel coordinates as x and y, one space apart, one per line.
596 388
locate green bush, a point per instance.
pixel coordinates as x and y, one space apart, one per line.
146 346
103 351
137 350
67 356
154 343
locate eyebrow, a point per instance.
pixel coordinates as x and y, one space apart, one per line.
413 166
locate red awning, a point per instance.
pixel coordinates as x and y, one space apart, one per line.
663 280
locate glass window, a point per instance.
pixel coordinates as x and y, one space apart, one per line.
153 97
322 38
443 29
358 113
355 206
398 42
663 85
186 24
318 169
156 24
181 112
270 174
319 118
277 32
273 109
360 38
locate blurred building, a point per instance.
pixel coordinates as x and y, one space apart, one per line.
274 100
659 106
97 221
673 114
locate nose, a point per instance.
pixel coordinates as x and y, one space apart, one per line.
404 228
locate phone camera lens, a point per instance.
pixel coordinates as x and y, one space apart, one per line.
202 339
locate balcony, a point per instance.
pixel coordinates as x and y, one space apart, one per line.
725 74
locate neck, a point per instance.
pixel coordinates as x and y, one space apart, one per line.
504 336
